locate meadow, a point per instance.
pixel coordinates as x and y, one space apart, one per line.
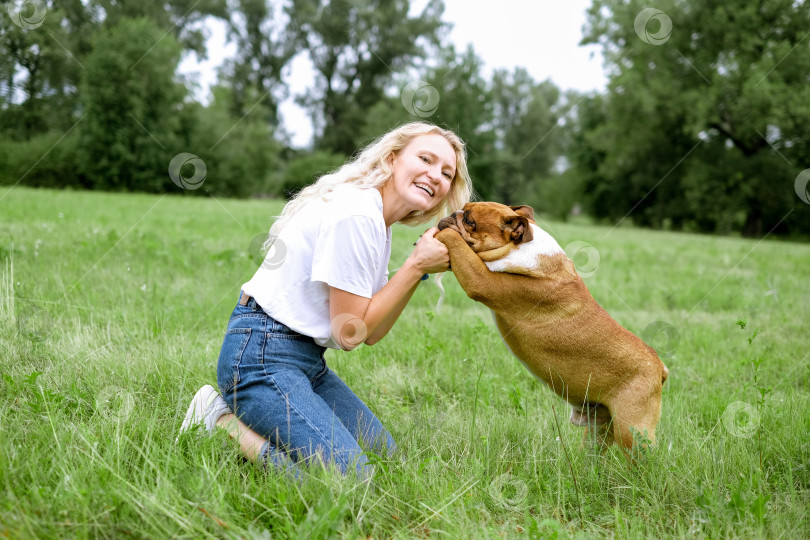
113 308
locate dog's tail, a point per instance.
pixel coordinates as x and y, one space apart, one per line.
664 374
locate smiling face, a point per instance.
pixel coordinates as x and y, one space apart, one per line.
423 172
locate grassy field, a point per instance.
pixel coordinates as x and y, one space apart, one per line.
113 308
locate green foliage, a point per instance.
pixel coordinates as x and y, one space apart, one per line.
698 129
130 99
241 155
49 159
464 107
180 18
264 46
556 195
506 123
307 168
38 74
41 65
356 48
701 129
524 119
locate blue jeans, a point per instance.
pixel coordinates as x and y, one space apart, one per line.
277 382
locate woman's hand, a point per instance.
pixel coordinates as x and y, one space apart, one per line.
430 255
356 319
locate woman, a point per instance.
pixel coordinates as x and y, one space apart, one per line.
331 290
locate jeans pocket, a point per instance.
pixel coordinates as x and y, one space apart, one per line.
233 347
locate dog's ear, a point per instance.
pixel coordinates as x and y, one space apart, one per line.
519 229
525 211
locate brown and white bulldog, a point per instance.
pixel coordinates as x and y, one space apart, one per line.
549 320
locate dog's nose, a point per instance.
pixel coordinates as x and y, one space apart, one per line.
449 221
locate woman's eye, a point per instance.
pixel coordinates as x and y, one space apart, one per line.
425 159
448 176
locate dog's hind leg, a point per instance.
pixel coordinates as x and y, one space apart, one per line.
635 416
596 419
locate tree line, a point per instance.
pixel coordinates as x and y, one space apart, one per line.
703 126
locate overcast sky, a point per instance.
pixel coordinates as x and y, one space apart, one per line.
539 35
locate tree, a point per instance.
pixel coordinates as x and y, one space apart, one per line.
38 75
464 107
356 47
704 102
180 18
265 45
505 123
131 102
44 46
241 155
524 120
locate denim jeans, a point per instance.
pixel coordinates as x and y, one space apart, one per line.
277 382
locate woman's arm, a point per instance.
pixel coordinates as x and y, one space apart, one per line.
356 319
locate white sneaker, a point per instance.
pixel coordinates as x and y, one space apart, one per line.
206 407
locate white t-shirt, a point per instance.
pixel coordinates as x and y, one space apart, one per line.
341 242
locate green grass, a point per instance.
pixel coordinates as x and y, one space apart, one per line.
113 308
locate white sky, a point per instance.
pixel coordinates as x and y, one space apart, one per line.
539 35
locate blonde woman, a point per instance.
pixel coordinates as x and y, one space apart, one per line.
324 284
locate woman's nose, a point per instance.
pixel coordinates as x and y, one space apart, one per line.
435 173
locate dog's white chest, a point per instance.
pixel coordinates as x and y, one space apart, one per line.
525 255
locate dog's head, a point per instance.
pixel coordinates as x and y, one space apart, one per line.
491 227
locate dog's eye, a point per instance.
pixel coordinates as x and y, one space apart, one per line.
467 221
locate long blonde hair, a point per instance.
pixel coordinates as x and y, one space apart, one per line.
372 169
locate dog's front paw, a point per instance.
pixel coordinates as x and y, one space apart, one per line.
447 235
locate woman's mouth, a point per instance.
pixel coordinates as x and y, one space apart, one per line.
426 188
